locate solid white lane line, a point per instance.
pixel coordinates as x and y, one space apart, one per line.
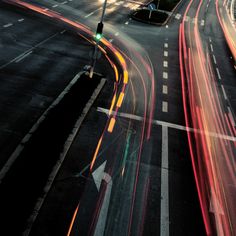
224 93
214 59
164 89
165 75
164 221
165 53
218 73
55 6
168 124
165 45
7 25
20 20
164 106
165 63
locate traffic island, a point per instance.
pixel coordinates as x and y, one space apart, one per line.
157 14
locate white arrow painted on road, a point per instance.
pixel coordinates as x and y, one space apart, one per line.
98 174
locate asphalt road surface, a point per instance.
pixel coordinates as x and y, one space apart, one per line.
133 178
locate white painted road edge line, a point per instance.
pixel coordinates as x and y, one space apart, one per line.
23 56
169 125
66 148
164 219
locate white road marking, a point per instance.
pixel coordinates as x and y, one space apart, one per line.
111 40
45 9
101 223
164 89
165 53
8 25
178 16
167 26
55 6
165 75
194 20
22 56
214 59
164 106
168 124
20 20
231 116
127 22
224 93
165 63
64 2
210 39
164 219
211 47
89 15
98 175
218 73
117 33
165 45
202 22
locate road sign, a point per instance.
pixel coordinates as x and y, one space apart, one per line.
151 6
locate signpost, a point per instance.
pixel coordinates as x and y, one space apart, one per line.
151 7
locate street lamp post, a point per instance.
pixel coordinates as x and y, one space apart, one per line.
98 36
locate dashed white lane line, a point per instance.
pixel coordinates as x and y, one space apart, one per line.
64 2
202 22
20 20
89 15
218 73
165 64
117 33
164 89
224 93
127 22
231 116
111 40
167 26
55 6
168 124
178 16
165 53
211 47
21 57
7 25
165 45
214 59
164 106
210 40
165 75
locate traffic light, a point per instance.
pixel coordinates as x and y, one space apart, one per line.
99 31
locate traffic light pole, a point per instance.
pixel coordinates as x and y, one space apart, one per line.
97 38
